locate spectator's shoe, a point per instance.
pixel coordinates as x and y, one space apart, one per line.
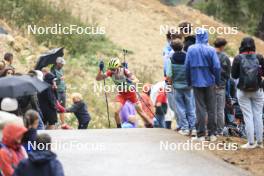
184 132
194 133
212 138
259 145
198 139
248 146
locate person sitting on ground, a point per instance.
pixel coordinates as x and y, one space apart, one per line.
47 102
146 102
183 93
248 67
128 115
123 79
31 123
42 161
161 106
220 44
80 110
12 152
58 71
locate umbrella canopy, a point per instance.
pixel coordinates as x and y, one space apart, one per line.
49 58
18 86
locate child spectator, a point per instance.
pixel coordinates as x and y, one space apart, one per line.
161 106
40 162
128 115
79 108
31 121
12 151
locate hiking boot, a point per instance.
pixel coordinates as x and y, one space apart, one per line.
260 145
212 138
184 132
198 139
248 146
194 133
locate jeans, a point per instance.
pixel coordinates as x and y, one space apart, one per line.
159 121
220 109
205 101
185 108
172 105
251 104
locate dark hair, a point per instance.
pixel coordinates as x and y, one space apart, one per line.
247 45
177 45
30 117
168 35
176 35
219 42
7 69
185 27
32 73
45 140
8 56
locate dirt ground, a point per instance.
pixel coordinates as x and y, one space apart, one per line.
251 160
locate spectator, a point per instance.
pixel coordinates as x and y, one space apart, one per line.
220 44
40 162
183 93
47 101
31 119
147 105
7 71
248 68
161 106
79 108
128 115
12 151
186 32
58 71
203 73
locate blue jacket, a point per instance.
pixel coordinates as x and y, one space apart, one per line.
202 64
40 163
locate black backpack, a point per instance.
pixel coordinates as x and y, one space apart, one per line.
249 72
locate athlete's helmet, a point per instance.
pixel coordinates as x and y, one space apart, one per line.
114 63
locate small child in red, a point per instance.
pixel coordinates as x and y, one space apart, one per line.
161 106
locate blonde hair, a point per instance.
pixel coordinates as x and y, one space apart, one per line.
77 96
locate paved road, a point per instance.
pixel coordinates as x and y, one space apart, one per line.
134 152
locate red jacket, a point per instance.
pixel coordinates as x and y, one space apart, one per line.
12 152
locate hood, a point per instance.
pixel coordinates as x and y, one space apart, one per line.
202 36
40 157
49 78
247 45
11 134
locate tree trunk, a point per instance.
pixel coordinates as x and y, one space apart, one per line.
260 29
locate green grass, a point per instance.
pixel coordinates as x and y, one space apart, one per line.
82 50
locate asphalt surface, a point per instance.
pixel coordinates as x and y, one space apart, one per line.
134 152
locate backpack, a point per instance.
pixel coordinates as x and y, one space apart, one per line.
249 72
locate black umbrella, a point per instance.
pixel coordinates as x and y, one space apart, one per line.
49 58
18 86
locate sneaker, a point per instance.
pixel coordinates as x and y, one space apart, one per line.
248 146
260 145
212 138
184 132
193 133
198 139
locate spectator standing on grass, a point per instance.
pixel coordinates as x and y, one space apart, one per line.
186 31
220 44
40 162
248 68
183 93
203 73
58 71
